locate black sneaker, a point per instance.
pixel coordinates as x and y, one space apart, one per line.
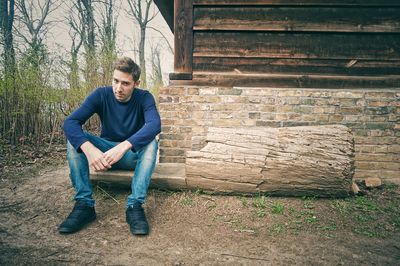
136 219
80 216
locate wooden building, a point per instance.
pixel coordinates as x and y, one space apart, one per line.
286 43
280 63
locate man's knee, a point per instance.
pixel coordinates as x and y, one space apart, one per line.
72 153
150 150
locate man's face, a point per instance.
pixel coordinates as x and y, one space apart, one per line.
123 85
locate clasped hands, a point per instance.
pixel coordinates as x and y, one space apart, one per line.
102 161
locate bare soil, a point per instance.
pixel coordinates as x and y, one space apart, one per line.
193 228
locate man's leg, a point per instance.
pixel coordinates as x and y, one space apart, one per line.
79 168
146 161
83 211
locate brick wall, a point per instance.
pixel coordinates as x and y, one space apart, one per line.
187 112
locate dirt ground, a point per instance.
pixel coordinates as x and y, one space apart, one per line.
193 228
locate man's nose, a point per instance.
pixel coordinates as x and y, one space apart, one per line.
118 87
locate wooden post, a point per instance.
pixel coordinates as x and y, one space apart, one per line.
183 32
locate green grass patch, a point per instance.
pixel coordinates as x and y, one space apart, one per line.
244 201
277 229
260 202
187 201
277 208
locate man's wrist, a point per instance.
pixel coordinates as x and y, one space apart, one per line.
126 145
86 146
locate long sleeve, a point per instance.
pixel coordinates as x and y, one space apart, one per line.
73 123
151 127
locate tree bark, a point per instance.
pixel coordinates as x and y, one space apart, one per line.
89 43
142 60
142 18
295 161
6 25
6 93
108 33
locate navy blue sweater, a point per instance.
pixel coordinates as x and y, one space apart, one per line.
137 120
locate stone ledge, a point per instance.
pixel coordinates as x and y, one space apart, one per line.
166 176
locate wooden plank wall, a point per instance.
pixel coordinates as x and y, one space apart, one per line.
342 38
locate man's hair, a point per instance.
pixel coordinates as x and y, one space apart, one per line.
127 65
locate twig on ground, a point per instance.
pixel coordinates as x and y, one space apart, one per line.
51 254
105 192
245 231
34 216
64 260
243 257
207 197
12 205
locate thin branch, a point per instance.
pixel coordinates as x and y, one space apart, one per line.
244 257
105 192
165 38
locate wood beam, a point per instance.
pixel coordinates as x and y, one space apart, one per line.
183 28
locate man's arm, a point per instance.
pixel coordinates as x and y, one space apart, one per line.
73 130
152 125
73 123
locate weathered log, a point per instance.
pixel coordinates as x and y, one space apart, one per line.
292 161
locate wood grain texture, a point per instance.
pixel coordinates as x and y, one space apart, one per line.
295 45
296 66
312 161
183 33
290 81
299 2
318 19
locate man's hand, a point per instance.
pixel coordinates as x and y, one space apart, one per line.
115 154
95 157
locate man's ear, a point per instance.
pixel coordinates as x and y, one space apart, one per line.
137 83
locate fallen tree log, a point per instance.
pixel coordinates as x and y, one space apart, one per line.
293 161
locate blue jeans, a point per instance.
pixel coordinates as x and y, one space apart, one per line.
143 162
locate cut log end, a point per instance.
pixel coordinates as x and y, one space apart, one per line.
295 161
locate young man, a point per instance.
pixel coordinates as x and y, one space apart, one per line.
129 125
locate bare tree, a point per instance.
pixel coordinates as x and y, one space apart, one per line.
34 17
108 30
6 26
142 17
77 35
85 9
33 26
164 38
73 75
157 78
7 87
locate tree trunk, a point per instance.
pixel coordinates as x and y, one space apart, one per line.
7 93
73 75
90 44
295 161
142 54
108 41
6 25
